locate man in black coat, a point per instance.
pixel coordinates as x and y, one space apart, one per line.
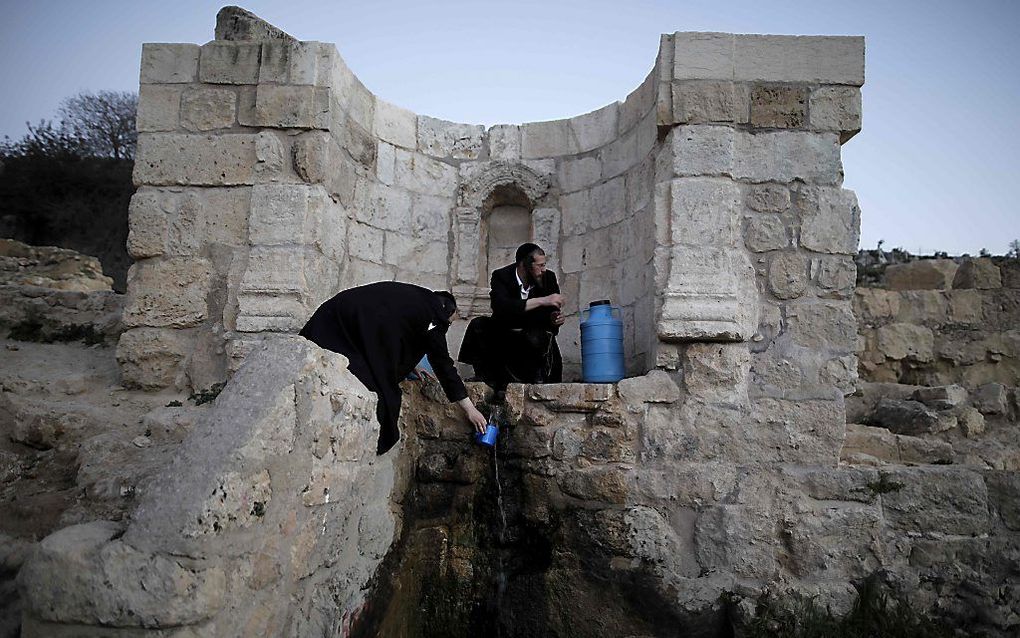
518 343
384 329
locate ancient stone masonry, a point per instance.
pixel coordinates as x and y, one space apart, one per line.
936 322
707 204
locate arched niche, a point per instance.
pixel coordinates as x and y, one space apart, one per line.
500 205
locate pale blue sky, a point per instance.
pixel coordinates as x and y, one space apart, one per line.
934 168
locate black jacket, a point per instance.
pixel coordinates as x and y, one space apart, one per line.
384 329
508 307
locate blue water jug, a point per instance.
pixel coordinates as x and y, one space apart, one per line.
601 343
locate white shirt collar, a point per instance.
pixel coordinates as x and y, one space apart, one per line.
524 291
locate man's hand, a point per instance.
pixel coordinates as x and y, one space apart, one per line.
476 418
555 300
424 374
557 318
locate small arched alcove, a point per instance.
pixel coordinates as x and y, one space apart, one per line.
499 208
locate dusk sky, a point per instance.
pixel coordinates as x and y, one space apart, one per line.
934 167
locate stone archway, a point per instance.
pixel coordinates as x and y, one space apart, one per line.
499 203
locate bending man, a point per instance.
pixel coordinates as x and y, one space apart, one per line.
518 343
384 329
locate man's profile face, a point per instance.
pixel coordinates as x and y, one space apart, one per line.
537 268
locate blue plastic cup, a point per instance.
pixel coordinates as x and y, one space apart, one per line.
489 438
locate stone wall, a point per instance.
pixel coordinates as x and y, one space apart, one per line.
270 520
934 322
270 177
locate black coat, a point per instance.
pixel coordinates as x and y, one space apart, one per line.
508 307
384 329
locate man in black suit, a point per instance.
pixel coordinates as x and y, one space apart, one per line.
518 343
384 329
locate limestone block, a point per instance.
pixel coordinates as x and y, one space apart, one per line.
840 373
704 101
430 217
153 358
621 154
702 150
1004 496
716 372
176 222
210 160
841 539
939 500
991 398
778 106
395 125
775 376
168 292
608 203
548 139
809 59
941 397
292 62
835 276
365 242
292 106
901 341
706 56
822 326
270 156
965 306
230 62
313 157
440 138
836 108
871 304
352 96
281 214
598 484
788 275
704 212
737 540
654 387
768 198
978 273
420 174
386 208
638 104
69 578
640 189
576 210
361 272
207 109
922 307
831 221
595 129
505 142
234 23
159 108
169 63
923 274
808 432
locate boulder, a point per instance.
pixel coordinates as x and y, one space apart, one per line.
909 417
991 398
978 273
924 274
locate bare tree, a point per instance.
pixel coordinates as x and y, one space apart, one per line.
104 121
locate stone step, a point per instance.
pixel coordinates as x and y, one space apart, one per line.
866 445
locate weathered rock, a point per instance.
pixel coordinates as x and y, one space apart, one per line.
991 398
970 421
944 500
941 397
788 276
909 417
655 387
923 274
977 273
50 267
906 341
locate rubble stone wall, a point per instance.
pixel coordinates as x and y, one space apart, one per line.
934 322
270 520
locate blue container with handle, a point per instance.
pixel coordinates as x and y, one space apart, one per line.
601 343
